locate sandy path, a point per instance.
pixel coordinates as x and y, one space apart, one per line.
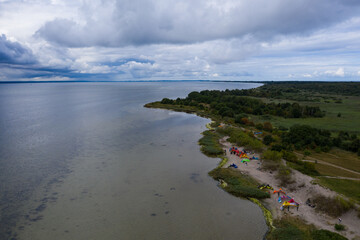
304 189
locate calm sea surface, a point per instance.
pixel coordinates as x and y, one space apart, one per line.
88 161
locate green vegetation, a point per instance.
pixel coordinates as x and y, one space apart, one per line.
210 144
338 157
349 188
239 184
339 227
286 89
230 103
334 207
295 228
241 138
326 170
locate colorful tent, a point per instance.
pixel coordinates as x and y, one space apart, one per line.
245 160
279 191
265 186
284 198
290 203
244 155
233 165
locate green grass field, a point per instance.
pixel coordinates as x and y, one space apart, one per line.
338 157
349 120
327 170
348 188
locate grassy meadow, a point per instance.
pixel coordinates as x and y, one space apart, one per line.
349 120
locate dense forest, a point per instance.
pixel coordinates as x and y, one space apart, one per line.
343 88
303 137
230 103
304 91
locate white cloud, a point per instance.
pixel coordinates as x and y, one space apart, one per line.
169 39
338 73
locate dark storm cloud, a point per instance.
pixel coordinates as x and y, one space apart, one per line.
14 52
145 22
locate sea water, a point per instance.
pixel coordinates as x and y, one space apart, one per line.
88 161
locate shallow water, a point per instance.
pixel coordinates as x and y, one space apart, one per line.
87 161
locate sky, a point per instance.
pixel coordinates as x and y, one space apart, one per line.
137 40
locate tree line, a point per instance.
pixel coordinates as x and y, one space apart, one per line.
230 103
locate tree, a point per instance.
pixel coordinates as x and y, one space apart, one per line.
268 126
268 140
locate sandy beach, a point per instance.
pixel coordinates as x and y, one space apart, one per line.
304 189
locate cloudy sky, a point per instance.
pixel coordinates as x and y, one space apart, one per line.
121 40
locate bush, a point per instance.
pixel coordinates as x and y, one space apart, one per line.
240 138
289 156
339 227
270 165
268 126
272 155
259 126
334 207
268 140
284 175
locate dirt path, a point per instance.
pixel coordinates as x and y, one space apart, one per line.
333 165
346 178
300 191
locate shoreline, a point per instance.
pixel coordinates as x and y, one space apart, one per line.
300 194
308 216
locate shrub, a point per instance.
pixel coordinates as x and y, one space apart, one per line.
259 126
284 175
339 227
268 126
289 156
270 165
240 138
334 207
268 140
272 155
238 117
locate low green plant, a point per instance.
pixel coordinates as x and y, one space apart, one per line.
333 207
210 144
239 184
296 228
272 155
284 175
339 227
326 235
241 138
